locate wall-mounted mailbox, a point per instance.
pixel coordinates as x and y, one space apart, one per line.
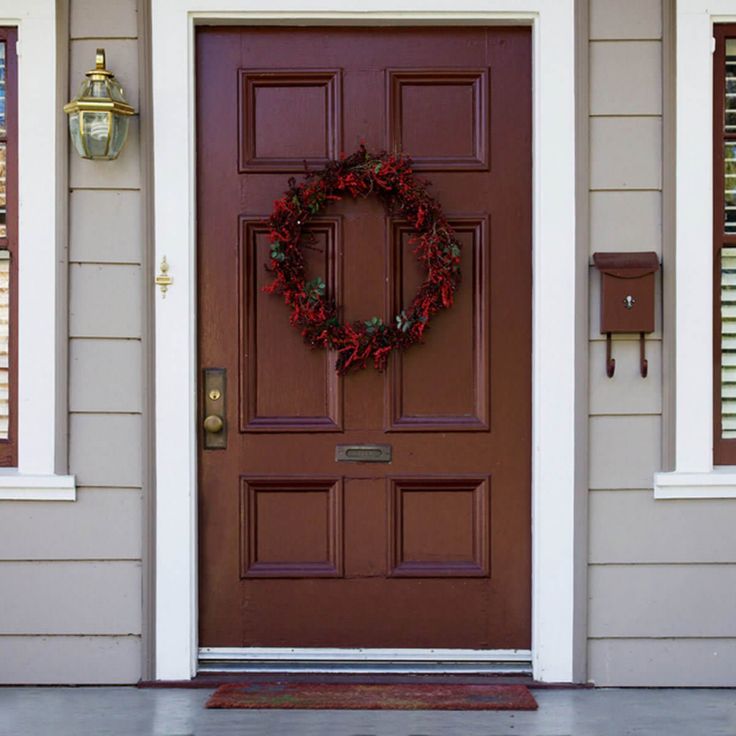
627 298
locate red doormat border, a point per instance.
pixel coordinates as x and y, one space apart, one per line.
321 696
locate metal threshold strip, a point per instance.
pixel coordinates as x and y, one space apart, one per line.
369 661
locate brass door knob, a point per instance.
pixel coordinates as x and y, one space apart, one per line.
213 424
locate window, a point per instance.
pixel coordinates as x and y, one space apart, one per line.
8 247
724 244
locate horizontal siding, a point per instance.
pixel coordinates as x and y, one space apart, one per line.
105 376
626 221
105 300
624 451
625 19
116 19
635 601
660 531
103 523
626 78
73 660
663 662
625 153
70 598
120 215
105 449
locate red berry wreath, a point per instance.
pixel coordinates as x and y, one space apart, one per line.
316 315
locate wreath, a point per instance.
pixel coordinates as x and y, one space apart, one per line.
313 311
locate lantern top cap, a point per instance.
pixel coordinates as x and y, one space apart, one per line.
100 91
99 72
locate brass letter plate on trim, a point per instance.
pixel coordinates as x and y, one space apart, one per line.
363 454
213 423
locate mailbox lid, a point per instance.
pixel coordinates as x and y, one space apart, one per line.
626 265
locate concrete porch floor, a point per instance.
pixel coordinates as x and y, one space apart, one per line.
127 711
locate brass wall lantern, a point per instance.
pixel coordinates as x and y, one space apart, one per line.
99 114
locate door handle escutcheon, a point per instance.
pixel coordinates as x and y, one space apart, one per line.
214 409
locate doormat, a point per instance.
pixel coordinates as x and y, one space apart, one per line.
322 696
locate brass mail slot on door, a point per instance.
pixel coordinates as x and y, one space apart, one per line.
363 453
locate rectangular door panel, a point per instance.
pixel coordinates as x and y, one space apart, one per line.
443 385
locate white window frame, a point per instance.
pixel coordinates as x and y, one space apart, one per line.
40 474
695 475
555 626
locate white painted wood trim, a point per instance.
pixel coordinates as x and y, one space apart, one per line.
695 475
553 420
38 316
15 486
719 483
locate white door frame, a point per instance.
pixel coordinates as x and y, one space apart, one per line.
554 643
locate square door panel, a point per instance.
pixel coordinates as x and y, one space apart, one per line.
290 527
440 118
439 527
288 118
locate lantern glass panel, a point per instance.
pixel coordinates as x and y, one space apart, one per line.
115 90
119 134
96 133
76 134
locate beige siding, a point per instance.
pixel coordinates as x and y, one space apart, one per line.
625 19
104 523
624 450
105 449
70 660
631 527
625 78
76 597
626 221
105 226
664 662
637 601
105 300
111 19
105 376
71 573
662 574
625 153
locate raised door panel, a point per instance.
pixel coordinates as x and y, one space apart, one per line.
440 118
284 386
289 119
290 527
443 384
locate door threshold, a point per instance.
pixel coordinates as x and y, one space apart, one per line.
364 661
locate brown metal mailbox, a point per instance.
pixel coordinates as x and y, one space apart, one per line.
627 297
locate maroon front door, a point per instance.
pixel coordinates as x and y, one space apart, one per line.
433 548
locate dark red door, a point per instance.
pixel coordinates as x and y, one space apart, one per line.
432 549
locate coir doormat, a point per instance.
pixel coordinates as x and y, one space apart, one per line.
372 697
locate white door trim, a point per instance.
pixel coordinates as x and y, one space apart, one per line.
554 641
